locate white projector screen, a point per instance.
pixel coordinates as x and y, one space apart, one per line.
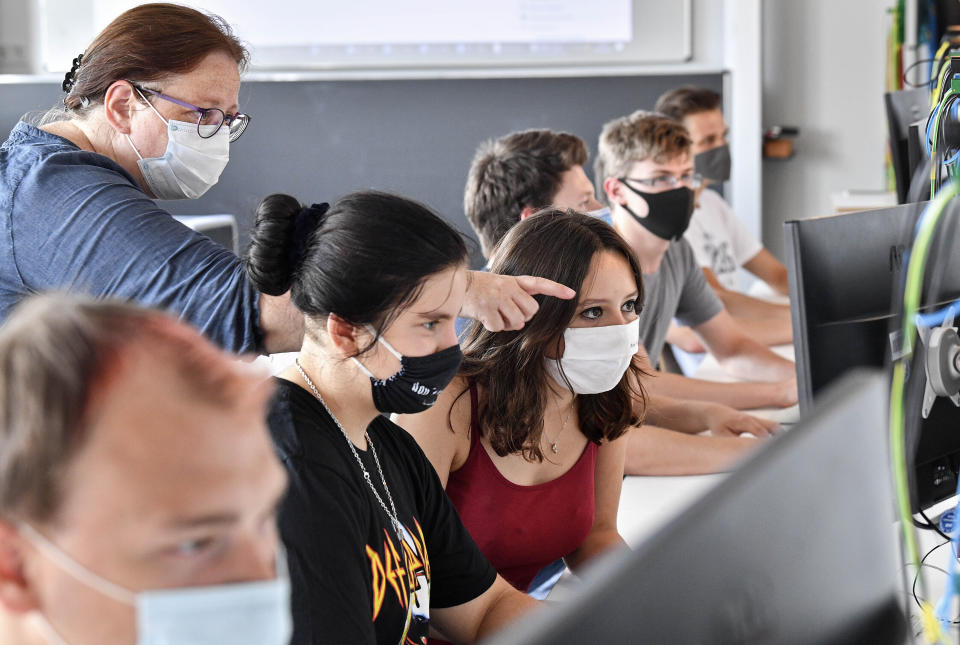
410 34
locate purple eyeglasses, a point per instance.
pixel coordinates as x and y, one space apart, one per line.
236 123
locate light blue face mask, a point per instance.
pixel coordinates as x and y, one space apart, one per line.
602 213
249 613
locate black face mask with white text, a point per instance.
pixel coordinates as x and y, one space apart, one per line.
669 212
419 382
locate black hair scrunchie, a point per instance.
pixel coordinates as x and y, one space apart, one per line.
308 220
70 78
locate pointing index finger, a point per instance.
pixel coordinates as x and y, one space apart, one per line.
534 285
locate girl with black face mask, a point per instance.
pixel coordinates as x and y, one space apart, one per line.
376 551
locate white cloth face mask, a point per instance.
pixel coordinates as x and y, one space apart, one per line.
191 164
595 358
247 613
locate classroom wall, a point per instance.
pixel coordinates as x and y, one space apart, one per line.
318 140
824 72
323 137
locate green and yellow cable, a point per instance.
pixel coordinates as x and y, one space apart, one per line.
911 305
942 74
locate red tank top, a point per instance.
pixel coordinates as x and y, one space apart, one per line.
522 529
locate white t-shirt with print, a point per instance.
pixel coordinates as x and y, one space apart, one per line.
719 239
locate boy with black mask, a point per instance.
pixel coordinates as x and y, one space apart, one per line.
645 173
721 243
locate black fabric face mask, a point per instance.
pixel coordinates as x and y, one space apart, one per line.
714 164
669 212
419 382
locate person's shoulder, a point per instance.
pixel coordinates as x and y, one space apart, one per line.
680 254
282 418
386 431
293 417
400 445
26 136
46 154
303 434
712 203
682 260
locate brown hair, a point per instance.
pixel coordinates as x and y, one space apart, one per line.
509 365
515 171
683 101
148 43
637 137
58 356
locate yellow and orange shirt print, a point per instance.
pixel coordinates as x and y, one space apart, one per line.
400 572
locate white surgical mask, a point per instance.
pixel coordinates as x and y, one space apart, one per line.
595 358
248 613
191 164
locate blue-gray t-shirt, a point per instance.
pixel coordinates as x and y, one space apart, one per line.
73 220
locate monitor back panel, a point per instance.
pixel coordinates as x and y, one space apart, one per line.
843 271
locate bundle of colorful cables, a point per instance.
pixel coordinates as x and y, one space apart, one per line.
934 622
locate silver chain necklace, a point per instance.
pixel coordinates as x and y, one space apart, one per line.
563 426
392 511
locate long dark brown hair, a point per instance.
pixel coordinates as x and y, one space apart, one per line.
509 366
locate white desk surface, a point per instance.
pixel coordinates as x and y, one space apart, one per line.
647 503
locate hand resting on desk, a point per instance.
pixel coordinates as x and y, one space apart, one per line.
724 421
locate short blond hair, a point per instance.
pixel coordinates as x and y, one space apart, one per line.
637 137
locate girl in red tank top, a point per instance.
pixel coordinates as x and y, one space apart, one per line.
522 529
529 440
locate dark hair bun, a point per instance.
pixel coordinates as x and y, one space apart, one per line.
363 259
270 259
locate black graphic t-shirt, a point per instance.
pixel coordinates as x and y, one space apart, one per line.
354 580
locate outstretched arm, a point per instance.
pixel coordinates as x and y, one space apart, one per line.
739 355
770 270
766 322
694 417
489 612
657 451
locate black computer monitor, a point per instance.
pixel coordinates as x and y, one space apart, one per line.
843 271
795 546
905 108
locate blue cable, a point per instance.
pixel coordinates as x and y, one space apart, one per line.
953 111
933 116
943 607
936 318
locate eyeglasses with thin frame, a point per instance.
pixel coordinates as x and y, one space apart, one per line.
666 182
236 123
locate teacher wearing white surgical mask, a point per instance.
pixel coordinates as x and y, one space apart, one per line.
151 112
